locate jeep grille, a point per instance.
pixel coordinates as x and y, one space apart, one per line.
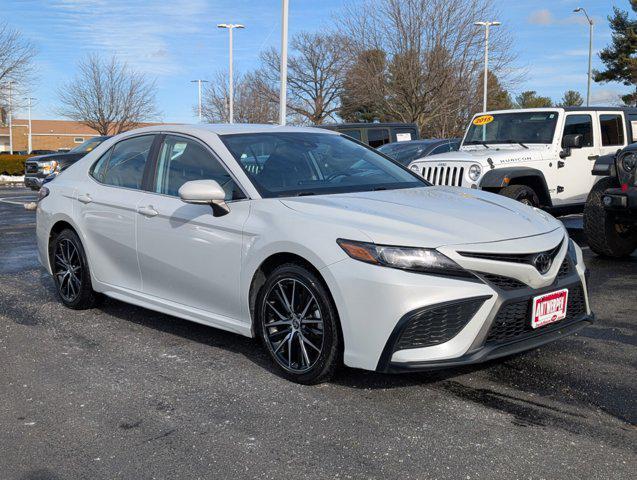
451 176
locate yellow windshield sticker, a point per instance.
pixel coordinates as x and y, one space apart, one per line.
483 119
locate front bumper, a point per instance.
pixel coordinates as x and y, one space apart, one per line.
33 182
375 303
617 200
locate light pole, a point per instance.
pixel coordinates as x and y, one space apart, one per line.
230 27
486 26
199 82
590 51
284 63
30 145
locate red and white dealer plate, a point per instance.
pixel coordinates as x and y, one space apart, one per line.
549 308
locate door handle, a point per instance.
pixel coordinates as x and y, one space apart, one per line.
593 157
85 198
148 211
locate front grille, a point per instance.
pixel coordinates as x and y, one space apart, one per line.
512 257
565 269
513 321
451 176
502 282
31 167
433 326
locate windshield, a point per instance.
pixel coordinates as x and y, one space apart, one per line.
514 127
88 145
300 163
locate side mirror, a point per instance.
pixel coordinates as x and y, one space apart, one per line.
205 192
573 141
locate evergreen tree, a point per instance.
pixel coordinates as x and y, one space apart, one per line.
571 98
530 99
620 57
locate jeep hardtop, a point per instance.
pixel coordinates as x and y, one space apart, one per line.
539 156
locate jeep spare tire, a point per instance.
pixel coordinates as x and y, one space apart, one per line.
605 235
522 193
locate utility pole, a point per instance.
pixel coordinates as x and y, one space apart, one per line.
230 27
199 82
590 51
10 112
284 63
30 145
486 26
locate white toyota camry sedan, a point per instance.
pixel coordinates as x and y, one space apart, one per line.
325 249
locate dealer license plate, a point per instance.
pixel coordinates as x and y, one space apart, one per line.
549 308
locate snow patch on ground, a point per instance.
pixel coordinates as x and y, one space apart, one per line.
11 178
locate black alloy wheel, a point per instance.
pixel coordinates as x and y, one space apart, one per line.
297 324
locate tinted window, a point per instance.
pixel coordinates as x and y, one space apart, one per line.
444 148
525 127
182 160
612 129
580 124
285 164
352 133
123 165
377 137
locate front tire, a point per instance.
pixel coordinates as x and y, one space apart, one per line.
298 325
522 193
71 273
605 236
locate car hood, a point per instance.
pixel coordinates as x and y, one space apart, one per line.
499 156
429 216
58 157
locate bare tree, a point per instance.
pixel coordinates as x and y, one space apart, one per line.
252 103
316 72
432 56
108 96
16 64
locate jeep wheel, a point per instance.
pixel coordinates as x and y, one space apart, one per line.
522 193
605 236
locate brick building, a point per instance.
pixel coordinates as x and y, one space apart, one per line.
46 134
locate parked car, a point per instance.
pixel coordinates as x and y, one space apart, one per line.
377 134
323 248
541 157
406 152
610 214
41 169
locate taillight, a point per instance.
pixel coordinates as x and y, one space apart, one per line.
43 193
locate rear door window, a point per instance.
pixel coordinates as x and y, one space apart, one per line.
123 165
378 136
612 128
355 134
580 124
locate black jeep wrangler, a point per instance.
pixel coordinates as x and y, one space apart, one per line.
610 214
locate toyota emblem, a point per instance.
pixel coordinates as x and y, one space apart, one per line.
542 262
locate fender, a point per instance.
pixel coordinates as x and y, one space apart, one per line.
605 166
503 177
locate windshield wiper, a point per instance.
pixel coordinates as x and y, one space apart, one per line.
305 194
519 143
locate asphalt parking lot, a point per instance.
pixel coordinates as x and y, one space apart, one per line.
124 392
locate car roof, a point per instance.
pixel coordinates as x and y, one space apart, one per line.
230 129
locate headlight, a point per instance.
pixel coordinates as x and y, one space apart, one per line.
425 260
42 193
49 167
475 171
414 168
628 162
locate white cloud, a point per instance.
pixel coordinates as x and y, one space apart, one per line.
605 96
541 17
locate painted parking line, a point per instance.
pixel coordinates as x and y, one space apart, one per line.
13 200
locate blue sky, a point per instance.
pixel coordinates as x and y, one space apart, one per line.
177 41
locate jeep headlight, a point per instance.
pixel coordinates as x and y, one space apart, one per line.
628 162
49 167
424 260
475 171
414 168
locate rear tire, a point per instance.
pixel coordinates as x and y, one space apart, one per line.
605 236
71 273
298 325
522 193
